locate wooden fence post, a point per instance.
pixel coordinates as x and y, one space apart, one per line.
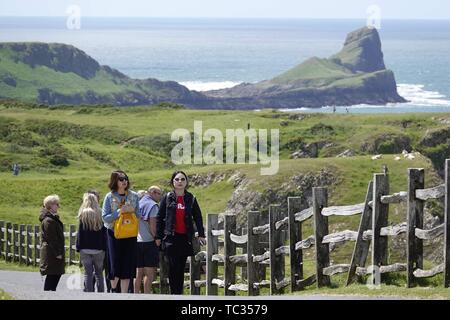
29 244
163 274
15 242
212 248
9 231
447 225
36 245
380 213
416 180
295 235
230 250
194 269
72 241
2 239
21 244
253 249
361 249
276 241
320 201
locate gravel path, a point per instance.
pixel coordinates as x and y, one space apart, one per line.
29 286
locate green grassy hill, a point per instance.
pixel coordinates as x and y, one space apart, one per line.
68 150
56 73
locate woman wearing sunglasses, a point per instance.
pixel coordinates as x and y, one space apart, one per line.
178 211
121 252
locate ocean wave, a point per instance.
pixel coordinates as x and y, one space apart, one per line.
417 95
206 86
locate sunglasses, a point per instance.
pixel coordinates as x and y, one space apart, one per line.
123 179
180 179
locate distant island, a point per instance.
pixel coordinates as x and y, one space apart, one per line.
53 73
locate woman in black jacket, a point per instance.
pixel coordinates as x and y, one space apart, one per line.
178 211
52 243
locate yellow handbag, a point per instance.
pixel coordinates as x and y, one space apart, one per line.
127 225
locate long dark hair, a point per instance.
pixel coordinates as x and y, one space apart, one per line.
114 179
174 175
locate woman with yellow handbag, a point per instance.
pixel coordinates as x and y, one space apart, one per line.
120 215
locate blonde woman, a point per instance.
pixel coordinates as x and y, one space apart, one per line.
91 242
52 243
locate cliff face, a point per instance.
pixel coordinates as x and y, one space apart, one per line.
56 56
361 52
63 74
355 75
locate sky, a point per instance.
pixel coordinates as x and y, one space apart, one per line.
328 9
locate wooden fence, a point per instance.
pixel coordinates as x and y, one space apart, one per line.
263 243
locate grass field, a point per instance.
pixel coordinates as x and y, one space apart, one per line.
67 150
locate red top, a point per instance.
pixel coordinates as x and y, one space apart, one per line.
180 226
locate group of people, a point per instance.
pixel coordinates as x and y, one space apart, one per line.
166 222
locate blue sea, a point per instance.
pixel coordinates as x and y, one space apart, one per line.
206 54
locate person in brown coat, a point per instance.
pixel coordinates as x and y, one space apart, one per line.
52 243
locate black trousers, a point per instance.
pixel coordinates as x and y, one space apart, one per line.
176 273
51 282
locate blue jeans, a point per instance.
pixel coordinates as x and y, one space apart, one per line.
93 263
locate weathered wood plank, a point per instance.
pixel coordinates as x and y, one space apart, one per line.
305 244
194 269
15 242
22 244
347 235
36 245
229 250
200 256
295 235
283 250
253 249
29 245
343 210
398 197
414 254
164 273
283 283
239 239
419 273
361 249
238 259
335 269
212 248
262 284
275 241
218 282
200 283
431 193
262 257
430 234
396 267
322 252
218 257
2 237
238 287
380 214
304 214
447 225
261 229
281 223
217 233
395 230
306 282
